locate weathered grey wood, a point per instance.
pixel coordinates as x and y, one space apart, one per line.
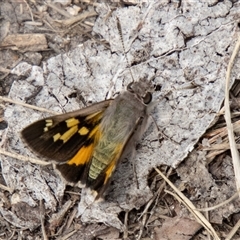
177 47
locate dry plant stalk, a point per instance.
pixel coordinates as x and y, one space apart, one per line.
180 197
232 142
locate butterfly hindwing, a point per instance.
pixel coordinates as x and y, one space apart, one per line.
75 168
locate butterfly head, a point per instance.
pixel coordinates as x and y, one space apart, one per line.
142 91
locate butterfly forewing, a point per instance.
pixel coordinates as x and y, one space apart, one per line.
60 137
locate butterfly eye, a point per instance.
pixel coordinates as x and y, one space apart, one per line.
129 87
147 98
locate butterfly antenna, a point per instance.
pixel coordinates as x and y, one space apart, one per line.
123 46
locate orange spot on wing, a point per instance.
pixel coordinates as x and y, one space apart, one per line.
82 156
111 167
109 171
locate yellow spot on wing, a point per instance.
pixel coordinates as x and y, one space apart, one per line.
82 156
56 137
72 122
94 132
49 122
83 131
69 133
94 115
